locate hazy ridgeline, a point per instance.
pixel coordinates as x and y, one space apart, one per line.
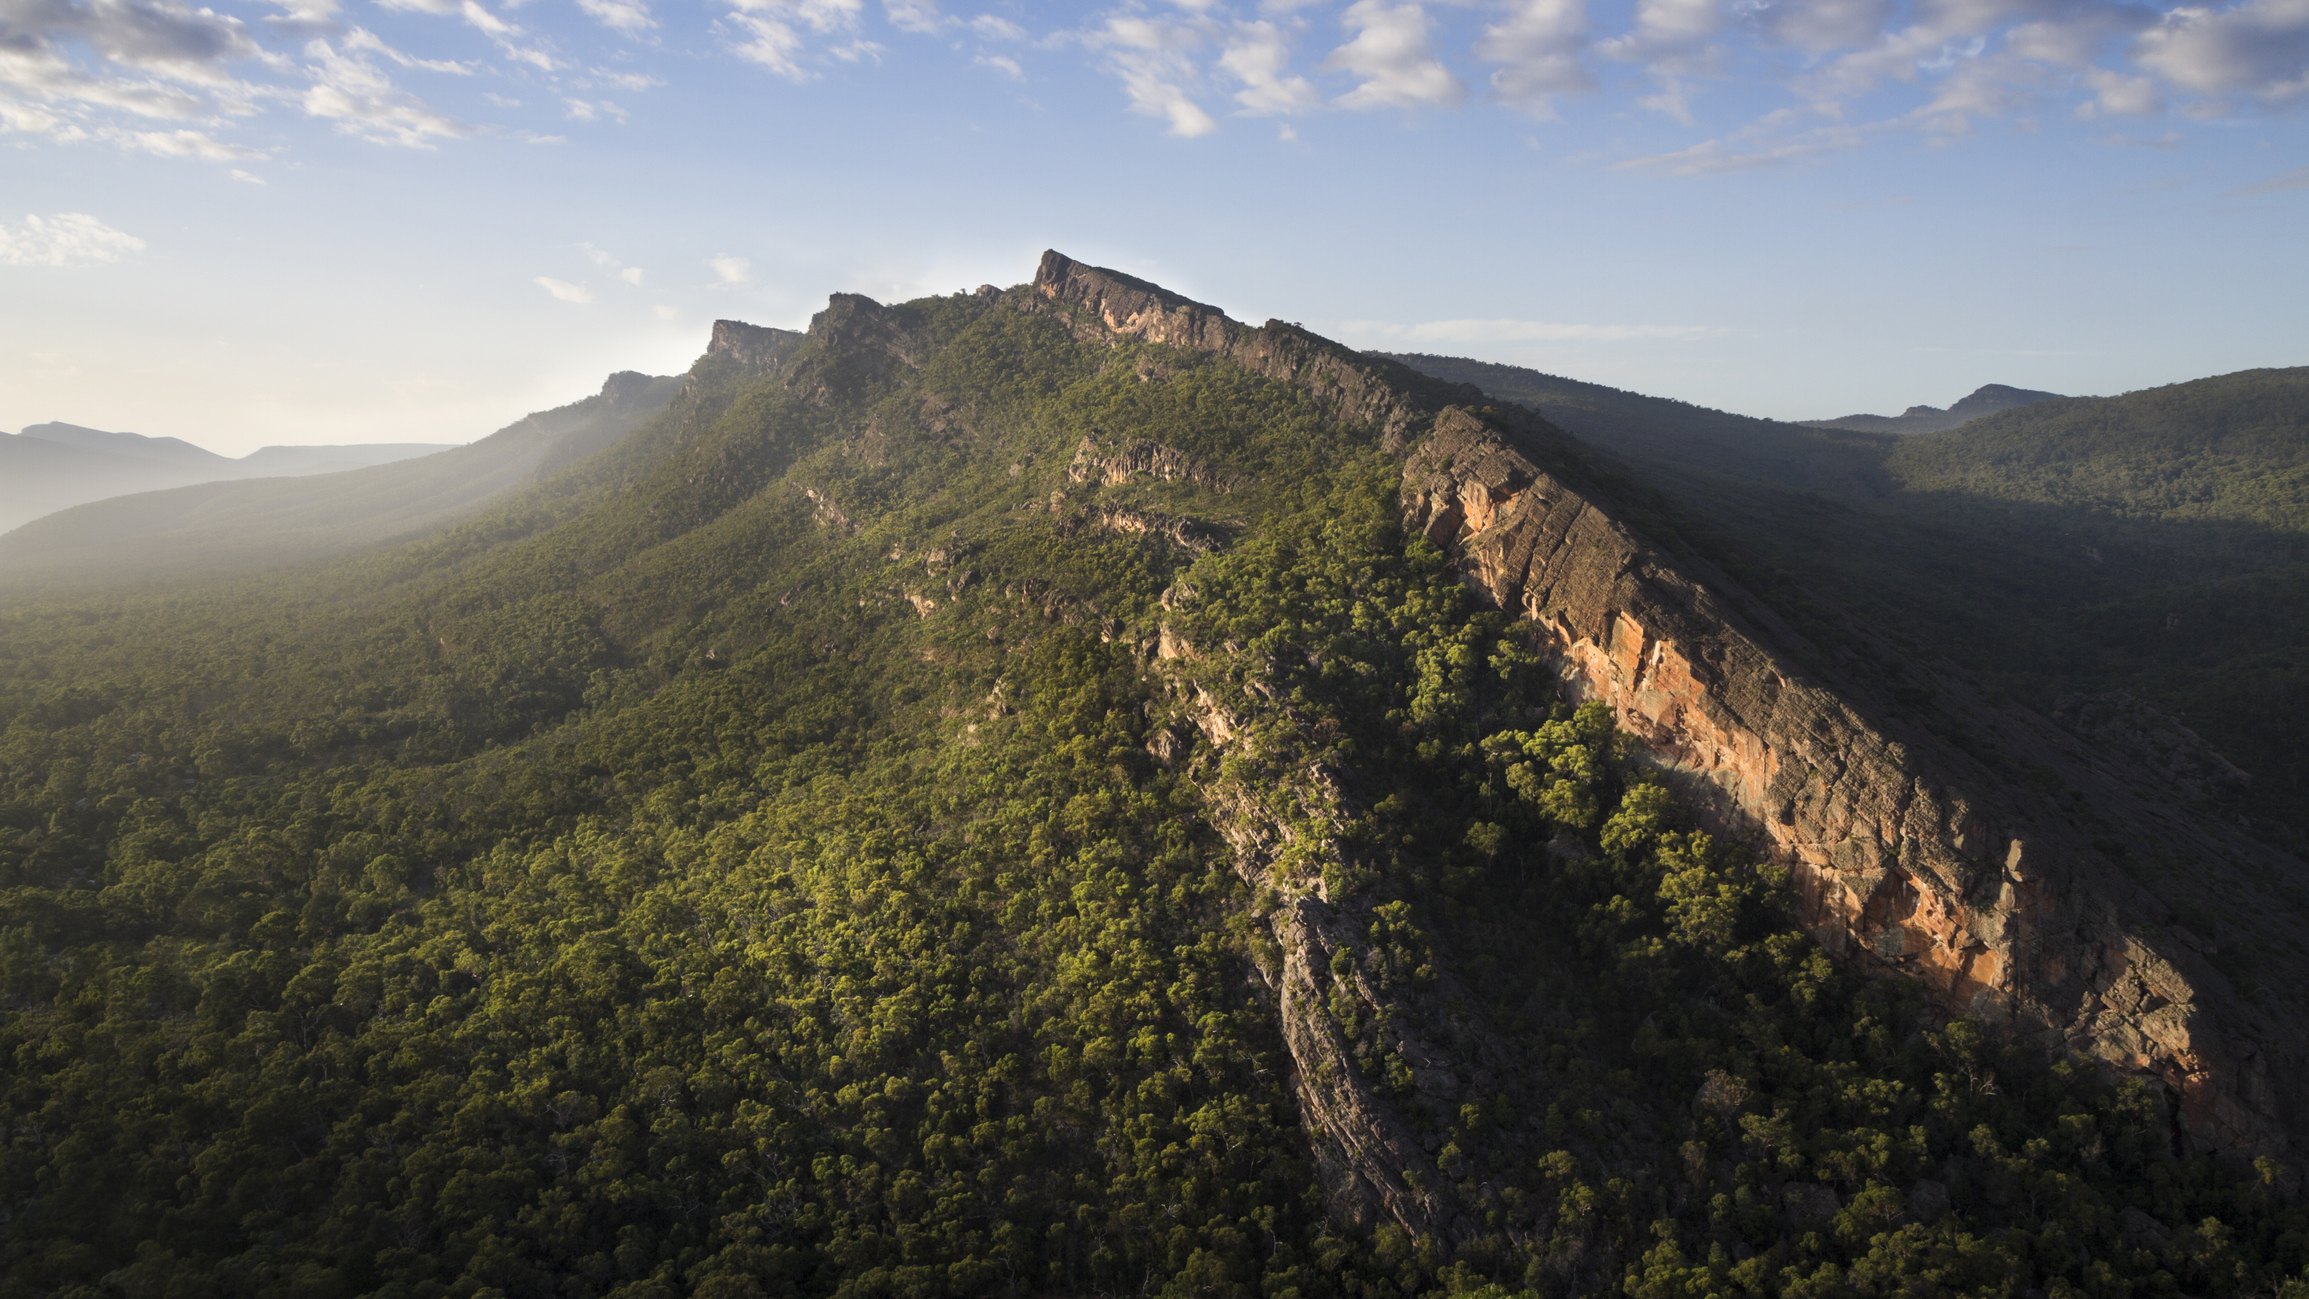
218 527
772 855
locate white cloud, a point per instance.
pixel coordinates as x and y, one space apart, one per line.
1665 29
1258 54
2116 92
362 39
1818 26
1003 64
631 275
634 81
2259 48
1714 157
66 239
159 60
363 101
1393 55
918 16
245 177
990 27
620 15
178 144
1154 58
665 312
478 17
732 270
776 27
564 290
1538 43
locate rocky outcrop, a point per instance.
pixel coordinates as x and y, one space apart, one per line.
2025 878
1186 534
1139 458
757 346
1392 399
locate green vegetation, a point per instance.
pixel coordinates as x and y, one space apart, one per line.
2156 543
742 866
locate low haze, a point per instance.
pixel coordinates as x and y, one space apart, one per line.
415 221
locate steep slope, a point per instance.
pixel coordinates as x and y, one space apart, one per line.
223 527
2151 545
1056 791
49 467
1984 400
1910 850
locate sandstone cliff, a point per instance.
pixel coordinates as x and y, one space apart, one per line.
2056 891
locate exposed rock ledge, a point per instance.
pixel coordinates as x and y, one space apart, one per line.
2001 888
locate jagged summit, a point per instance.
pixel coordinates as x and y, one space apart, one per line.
751 344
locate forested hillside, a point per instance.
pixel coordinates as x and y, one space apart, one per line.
801 850
2154 545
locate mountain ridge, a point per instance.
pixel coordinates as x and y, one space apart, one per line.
1987 399
1900 857
1025 792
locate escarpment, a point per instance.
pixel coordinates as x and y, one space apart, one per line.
1377 1163
2055 891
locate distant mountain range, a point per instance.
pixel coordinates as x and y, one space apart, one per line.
1985 400
49 467
164 514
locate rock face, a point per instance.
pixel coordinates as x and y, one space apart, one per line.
1143 459
1390 397
2028 879
752 345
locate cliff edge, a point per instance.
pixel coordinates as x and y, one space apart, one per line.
2027 880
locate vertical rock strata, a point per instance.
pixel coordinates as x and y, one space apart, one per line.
2027 880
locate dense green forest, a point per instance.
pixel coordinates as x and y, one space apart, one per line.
772 858
2155 543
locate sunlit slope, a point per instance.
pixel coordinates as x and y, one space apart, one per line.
2155 543
224 527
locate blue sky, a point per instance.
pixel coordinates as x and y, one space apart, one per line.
415 220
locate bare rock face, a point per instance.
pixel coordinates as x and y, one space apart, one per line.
2026 877
752 345
1139 458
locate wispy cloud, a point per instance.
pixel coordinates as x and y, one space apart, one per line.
2274 185
1715 157
65 239
564 290
731 270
